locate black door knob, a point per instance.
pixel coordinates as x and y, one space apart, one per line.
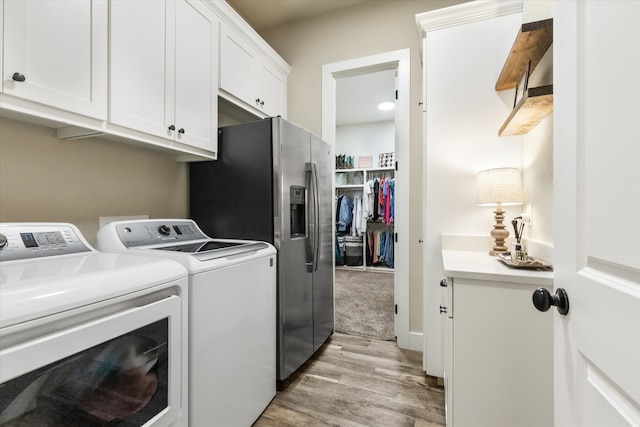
18 77
172 127
181 130
543 300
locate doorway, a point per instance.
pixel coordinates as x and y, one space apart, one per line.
336 128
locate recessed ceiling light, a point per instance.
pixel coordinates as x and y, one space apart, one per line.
387 105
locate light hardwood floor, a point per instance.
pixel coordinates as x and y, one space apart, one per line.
356 381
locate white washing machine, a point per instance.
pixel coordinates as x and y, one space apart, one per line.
232 314
88 338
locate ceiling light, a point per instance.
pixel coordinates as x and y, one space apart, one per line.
387 105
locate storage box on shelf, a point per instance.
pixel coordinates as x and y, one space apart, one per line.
531 43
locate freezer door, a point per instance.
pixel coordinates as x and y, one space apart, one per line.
323 270
295 296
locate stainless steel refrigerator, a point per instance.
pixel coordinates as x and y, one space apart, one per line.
272 182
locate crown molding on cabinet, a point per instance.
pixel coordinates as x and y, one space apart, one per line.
465 13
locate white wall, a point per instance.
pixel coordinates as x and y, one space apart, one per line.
464 114
366 139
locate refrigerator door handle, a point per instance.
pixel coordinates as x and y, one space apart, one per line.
313 248
316 213
310 246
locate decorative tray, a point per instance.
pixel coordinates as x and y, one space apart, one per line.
531 262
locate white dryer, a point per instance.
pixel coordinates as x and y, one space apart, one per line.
232 314
88 338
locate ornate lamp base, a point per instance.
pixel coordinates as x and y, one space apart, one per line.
499 232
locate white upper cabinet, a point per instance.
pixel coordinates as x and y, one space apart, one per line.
164 73
247 76
55 53
196 74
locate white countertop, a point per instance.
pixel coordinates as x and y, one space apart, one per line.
482 266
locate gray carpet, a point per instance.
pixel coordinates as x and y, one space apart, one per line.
364 304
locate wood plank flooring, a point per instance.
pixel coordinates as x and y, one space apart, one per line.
356 381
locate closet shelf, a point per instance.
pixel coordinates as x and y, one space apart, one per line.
531 43
535 105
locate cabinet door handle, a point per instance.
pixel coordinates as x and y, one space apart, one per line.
543 300
444 283
181 130
443 309
172 127
18 77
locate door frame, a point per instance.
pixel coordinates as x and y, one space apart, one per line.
400 61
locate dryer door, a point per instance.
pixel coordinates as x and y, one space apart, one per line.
121 369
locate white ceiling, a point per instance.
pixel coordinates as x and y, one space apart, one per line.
262 14
357 96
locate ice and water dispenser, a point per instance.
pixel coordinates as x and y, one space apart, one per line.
297 211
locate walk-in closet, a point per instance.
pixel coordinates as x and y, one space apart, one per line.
364 209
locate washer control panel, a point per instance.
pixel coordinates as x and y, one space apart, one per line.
27 241
147 233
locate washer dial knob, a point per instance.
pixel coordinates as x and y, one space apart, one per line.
164 230
3 241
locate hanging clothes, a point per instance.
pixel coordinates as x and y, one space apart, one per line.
344 214
376 200
357 226
367 203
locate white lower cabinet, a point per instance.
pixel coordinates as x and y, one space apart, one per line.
164 73
55 54
499 355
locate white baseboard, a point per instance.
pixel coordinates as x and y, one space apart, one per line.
416 341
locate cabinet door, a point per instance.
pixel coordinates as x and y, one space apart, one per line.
502 356
60 48
196 76
268 89
237 60
141 68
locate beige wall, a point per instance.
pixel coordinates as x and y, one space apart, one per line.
43 178
381 27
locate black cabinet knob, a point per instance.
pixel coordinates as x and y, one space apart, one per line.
543 300
181 130
18 77
172 127
444 283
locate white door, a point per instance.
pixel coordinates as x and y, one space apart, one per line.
55 53
268 89
196 102
237 60
597 205
141 66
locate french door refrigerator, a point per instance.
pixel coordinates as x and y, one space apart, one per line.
272 182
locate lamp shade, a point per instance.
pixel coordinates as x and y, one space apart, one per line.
501 185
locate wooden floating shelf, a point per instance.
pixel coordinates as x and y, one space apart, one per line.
535 105
531 43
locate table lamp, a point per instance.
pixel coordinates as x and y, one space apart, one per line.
498 187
